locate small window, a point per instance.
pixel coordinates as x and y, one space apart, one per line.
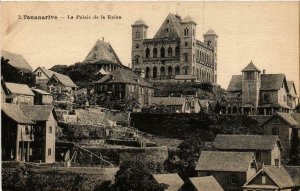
263 180
276 162
167 29
186 44
27 130
275 131
50 129
49 152
137 46
233 179
168 21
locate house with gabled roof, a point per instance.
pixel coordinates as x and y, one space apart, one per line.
230 169
42 97
51 81
19 93
16 133
172 181
286 126
122 84
45 123
267 148
270 178
254 93
204 183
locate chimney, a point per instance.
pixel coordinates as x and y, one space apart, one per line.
264 71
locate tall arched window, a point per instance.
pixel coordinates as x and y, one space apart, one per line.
154 52
137 59
169 52
177 51
162 71
162 52
186 31
185 71
147 52
185 57
147 72
169 71
137 34
177 70
154 72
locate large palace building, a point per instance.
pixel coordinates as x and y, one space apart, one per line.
174 54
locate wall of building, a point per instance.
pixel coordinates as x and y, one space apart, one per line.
223 178
22 99
50 139
284 132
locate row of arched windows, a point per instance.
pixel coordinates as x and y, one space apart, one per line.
204 57
163 71
162 52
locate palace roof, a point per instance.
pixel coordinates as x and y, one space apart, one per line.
172 23
102 52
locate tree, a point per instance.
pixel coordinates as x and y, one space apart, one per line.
184 161
134 175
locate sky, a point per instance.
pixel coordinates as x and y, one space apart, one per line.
265 32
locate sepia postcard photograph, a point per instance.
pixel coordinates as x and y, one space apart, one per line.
150 96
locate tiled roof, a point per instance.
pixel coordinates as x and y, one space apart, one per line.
65 80
173 180
14 112
172 22
245 142
37 112
294 173
278 174
288 118
235 83
22 89
272 81
102 52
268 82
40 91
250 67
168 101
224 161
123 76
16 60
206 183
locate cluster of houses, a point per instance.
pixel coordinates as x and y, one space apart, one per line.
239 162
29 120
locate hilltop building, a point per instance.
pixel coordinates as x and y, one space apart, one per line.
103 57
19 94
254 92
174 54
